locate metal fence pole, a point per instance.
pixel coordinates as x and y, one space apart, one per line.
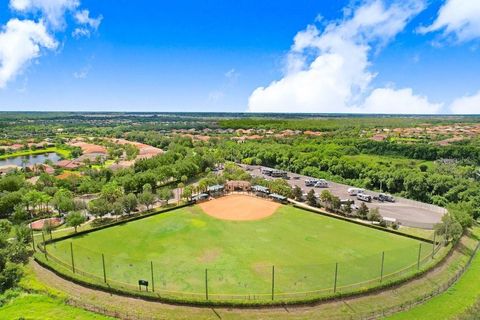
104 272
206 283
71 254
44 246
335 281
381 270
419 254
273 282
33 240
153 283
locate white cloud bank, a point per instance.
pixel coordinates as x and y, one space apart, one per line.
328 71
457 18
22 41
466 105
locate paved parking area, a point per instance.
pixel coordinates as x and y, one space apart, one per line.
407 212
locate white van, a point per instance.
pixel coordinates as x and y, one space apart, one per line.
322 183
364 197
355 191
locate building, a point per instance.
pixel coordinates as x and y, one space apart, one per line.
200 197
261 191
216 190
237 185
278 198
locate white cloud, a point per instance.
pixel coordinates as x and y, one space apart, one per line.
83 17
328 71
398 101
88 24
458 18
52 10
466 105
81 32
20 42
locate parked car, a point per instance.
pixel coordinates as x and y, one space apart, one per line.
386 197
355 191
364 197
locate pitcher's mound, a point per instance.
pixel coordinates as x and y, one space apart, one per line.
239 207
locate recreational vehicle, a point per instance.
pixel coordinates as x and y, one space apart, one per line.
355 191
322 183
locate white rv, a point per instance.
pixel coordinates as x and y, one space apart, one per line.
355 191
322 183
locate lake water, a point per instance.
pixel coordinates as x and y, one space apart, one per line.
30 160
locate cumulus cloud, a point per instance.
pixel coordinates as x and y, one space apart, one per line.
398 101
87 24
328 70
466 105
52 10
457 18
20 42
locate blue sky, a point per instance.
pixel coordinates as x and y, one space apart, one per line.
237 55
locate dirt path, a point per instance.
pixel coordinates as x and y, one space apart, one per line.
339 309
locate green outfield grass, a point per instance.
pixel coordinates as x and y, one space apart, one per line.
303 247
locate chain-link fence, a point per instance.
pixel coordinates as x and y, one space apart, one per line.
373 314
261 281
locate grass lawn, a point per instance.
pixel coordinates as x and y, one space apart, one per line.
454 302
304 248
39 306
34 300
62 152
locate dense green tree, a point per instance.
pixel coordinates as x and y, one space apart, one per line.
130 202
75 219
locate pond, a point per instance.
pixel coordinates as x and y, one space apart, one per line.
31 159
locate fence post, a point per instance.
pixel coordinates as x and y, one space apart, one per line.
44 246
206 283
335 281
71 253
434 243
104 273
153 283
273 282
381 270
419 253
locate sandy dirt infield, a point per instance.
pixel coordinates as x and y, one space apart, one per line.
239 207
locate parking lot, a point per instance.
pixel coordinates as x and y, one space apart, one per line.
407 212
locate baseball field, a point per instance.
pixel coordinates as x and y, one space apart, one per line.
241 246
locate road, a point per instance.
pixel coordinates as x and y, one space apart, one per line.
407 212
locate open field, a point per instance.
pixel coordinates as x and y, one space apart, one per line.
239 255
454 302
